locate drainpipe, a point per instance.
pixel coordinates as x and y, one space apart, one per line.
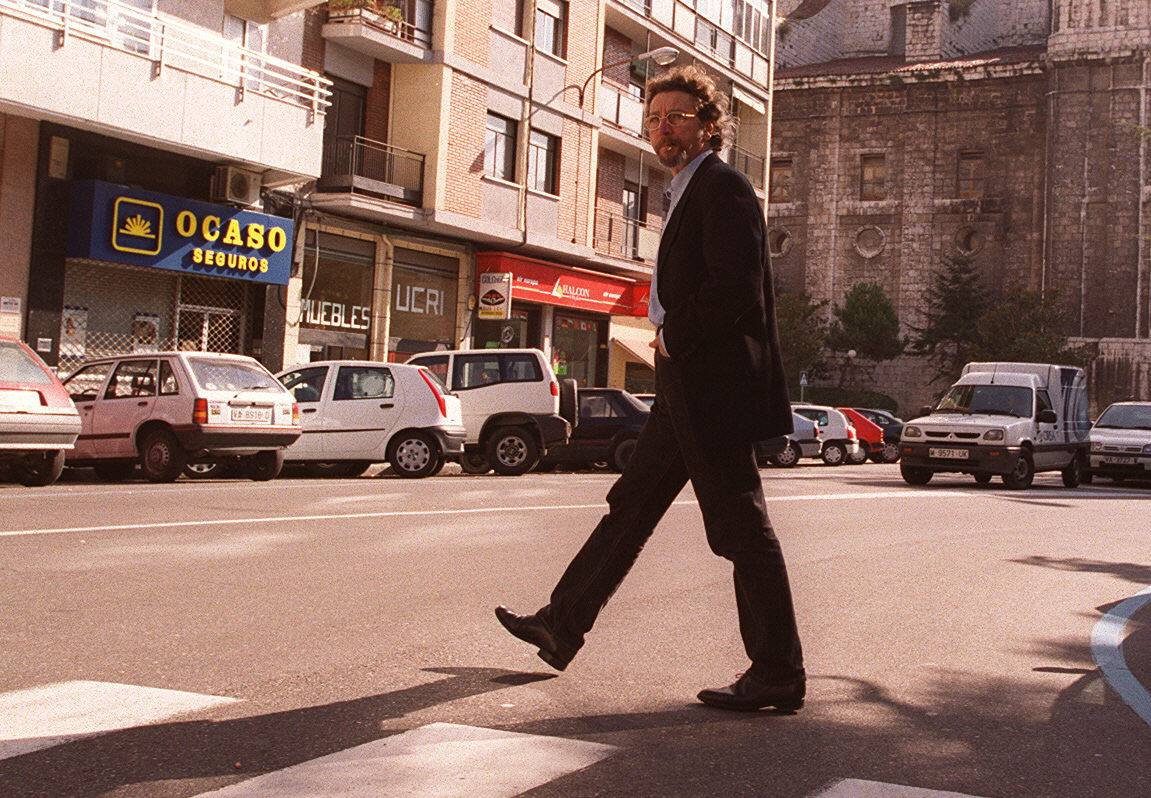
1142 243
1048 165
525 118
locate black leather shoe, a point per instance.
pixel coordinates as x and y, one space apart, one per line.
532 629
749 694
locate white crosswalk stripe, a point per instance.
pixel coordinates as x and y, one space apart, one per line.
41 717
858 788
441 760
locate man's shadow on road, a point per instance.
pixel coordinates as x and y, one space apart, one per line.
200 750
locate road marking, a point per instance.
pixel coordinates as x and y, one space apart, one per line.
435 761
41 717
1107 648
858 788
279 519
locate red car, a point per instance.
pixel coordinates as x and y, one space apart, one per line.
870 438
38 421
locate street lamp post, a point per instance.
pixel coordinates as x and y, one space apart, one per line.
662 56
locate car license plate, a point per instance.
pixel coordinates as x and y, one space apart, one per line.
1115 460
949 454
262 415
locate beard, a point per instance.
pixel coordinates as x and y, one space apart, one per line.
675 158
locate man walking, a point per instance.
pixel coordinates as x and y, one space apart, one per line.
719 389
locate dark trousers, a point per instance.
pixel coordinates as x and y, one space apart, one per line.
726 481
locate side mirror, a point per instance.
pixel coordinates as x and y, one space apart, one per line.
926 410
1047 417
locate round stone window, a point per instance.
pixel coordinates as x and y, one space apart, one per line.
969 240
779 242
870 242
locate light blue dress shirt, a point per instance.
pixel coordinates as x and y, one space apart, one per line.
678 184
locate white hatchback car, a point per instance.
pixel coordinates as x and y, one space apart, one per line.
1121 442
840 441
165 410
514 406
359 412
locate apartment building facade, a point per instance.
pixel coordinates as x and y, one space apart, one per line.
136 140
300 180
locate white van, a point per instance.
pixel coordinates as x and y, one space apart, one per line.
1006 419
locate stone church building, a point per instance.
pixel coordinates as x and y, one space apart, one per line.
1006 130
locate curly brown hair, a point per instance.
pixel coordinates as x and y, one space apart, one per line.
713 103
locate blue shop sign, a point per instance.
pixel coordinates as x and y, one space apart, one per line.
143 228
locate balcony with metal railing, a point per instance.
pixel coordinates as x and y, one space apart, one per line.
357 165
749 163
620 236
105 65
396 31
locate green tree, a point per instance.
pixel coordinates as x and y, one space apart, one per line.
802 336
956 302
1027 328
867 323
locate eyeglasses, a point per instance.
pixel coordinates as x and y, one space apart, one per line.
674 119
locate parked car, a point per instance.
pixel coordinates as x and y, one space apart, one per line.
38 422
359 412
869 435
892 431
647 398
514 407
165 410
1010 419
802 442
610 421
1121 442
835 431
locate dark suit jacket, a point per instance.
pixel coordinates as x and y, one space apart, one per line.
715 285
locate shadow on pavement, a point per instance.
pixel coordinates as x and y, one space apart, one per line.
206 753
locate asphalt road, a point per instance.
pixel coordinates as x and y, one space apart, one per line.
947 631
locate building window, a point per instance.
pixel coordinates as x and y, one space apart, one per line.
971 175
779 242
780 180
710 38
897 45
873 177
500 148
551 27
508 15
542 159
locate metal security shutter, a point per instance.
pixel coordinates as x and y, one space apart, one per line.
112 309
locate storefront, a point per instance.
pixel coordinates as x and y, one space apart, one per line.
336 296
146 271
424 307
564 311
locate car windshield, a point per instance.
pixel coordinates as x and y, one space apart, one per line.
17 366
1126 417
232 375
991 400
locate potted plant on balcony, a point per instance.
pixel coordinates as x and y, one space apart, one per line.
391 17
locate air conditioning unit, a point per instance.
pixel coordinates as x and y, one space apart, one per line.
235 185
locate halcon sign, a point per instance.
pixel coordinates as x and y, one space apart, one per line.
144 228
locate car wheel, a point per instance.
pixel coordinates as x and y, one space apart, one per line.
983 479
569 401
415 454
42 469
860 456
339 469
264 466
1086 478
1073 473
916 476
439 466
161 457
114 470
512 451
1022 475
204 470
474 463
787 457
545 467
834 454
622 453
891 453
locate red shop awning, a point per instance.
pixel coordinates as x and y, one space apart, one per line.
552 284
